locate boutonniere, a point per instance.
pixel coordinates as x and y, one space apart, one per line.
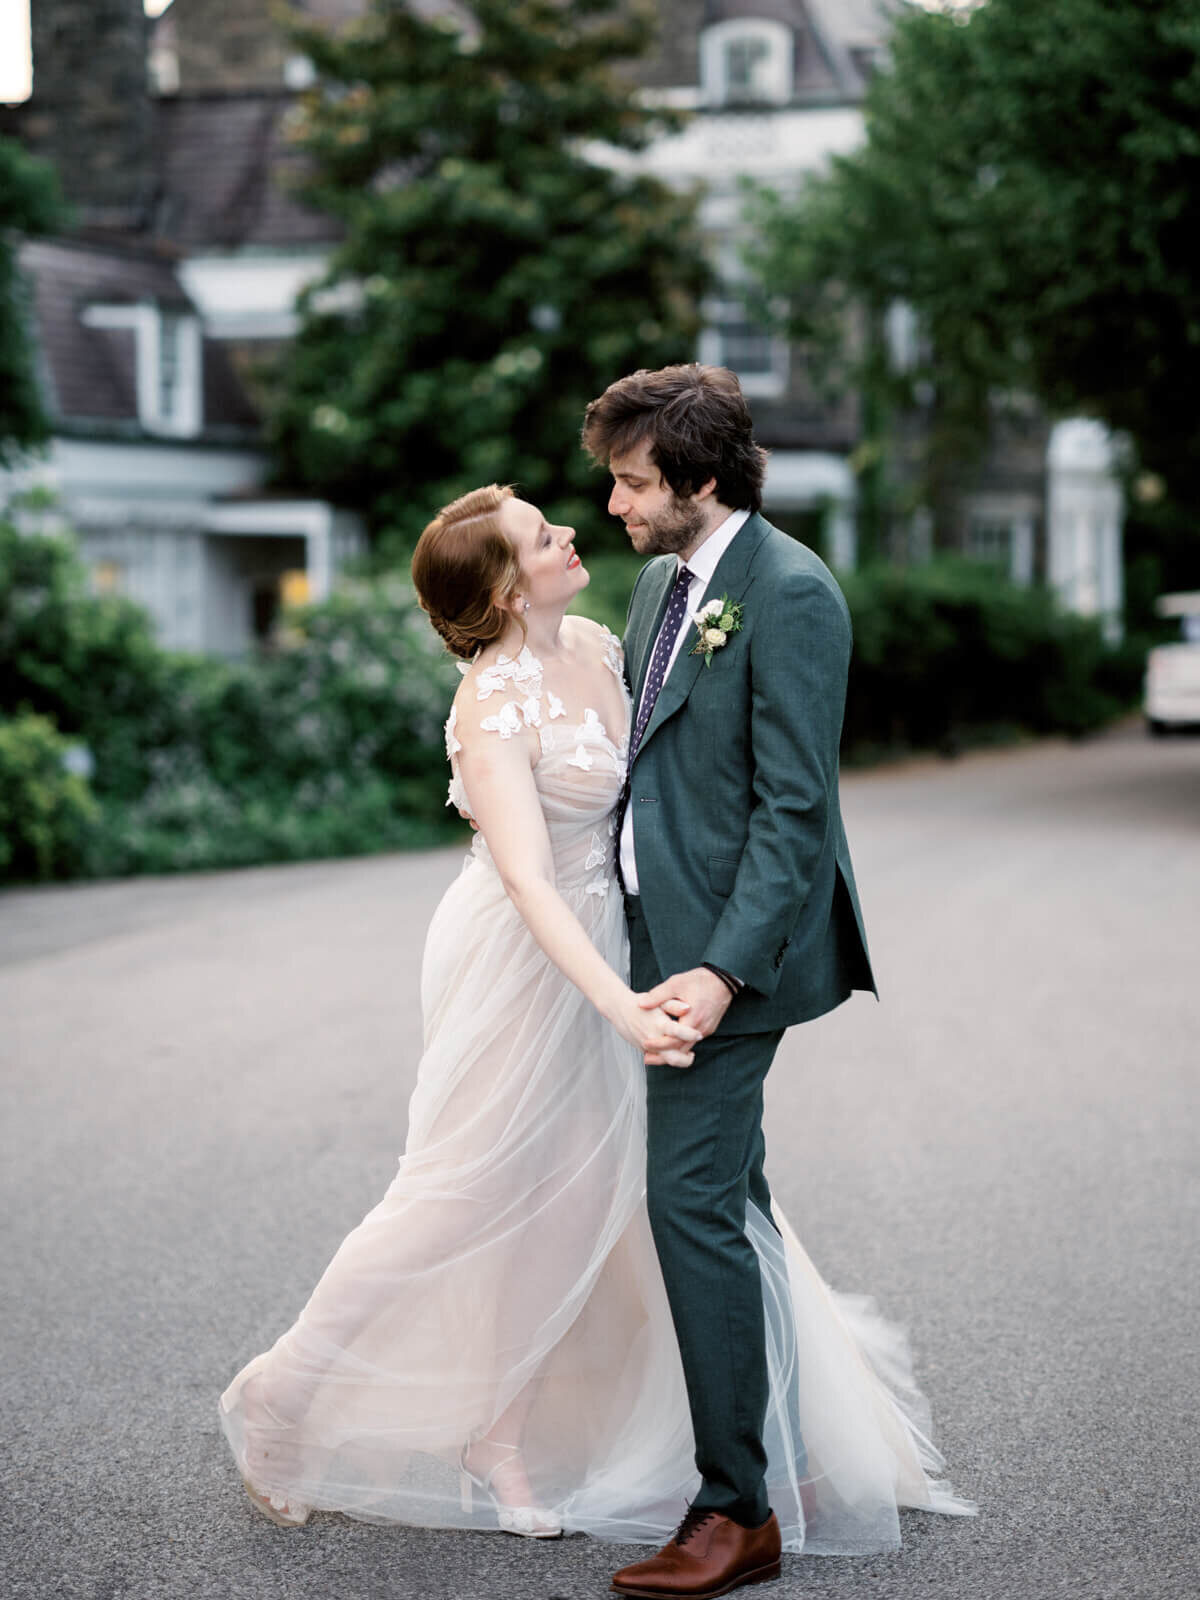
714 623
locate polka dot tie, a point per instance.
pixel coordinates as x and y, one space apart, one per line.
671 623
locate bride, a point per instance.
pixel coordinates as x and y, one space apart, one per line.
492 1347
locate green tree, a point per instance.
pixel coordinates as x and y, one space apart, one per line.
496 273
1030 184
29 203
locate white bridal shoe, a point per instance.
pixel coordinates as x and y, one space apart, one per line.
276 1510
275 1507
527 1521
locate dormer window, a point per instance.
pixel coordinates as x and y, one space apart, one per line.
168 363
747 62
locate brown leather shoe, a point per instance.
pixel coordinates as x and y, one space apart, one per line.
709 1555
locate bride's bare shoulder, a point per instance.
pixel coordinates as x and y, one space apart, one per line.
593 637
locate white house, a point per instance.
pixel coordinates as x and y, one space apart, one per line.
150 320
147 319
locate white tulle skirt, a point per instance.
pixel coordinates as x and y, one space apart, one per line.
506 1285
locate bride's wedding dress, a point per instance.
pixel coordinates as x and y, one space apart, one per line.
506 1286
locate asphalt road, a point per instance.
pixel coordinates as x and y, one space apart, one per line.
204 1084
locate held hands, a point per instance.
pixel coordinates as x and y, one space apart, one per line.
698 993
656 1033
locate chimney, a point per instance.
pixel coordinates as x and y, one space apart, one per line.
90 110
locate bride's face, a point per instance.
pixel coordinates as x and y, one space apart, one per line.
551 573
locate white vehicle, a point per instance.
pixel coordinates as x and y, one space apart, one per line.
1172 697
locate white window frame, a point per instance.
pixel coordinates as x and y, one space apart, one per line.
1002 534
145 321
775 77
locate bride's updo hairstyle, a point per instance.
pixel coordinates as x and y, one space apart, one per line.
465 567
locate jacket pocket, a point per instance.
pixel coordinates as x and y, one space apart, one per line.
722 872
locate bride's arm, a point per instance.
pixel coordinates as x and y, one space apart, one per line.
499 782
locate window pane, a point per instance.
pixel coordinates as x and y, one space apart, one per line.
168 366
745 346
991 541
744 59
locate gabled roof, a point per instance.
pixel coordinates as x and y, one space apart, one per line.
853 32
226 173
90 374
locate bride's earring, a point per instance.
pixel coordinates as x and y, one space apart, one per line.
527 605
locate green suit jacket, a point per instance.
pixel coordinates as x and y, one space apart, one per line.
741 854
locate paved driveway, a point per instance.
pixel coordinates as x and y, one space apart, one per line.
204 1084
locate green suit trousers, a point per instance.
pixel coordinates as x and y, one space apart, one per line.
705 1152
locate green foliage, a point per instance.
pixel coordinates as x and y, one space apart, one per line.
495 275
330 745
946 655
89 662
47 814
29 203
950 653
1028 184
1162 555
606 598
185 824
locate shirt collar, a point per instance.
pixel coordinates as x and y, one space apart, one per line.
703 564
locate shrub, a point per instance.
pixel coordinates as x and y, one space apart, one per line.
89 662
951 653
331 742
183 824
47 813
330 745
946 654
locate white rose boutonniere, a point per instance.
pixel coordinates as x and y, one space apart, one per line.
715 621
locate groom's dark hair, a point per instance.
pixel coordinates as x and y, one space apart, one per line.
697 423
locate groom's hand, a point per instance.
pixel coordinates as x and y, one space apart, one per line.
698 994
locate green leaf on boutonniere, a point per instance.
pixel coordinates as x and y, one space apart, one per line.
714 623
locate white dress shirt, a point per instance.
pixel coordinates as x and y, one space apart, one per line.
701 565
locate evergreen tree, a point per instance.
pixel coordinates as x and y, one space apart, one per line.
29 203
501 265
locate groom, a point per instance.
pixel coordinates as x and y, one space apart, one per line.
739 894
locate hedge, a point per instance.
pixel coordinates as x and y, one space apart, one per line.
330 743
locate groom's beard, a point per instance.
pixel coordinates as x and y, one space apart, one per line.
669 532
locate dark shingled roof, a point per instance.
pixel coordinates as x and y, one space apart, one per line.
90 373
226 400
225 170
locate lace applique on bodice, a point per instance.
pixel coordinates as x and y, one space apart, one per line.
579 770
453 742
614 656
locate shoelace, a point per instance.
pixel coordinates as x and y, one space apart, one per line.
695 1517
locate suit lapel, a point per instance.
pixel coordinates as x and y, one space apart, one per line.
652 604
732 578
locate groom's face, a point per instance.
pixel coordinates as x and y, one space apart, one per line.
658 521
